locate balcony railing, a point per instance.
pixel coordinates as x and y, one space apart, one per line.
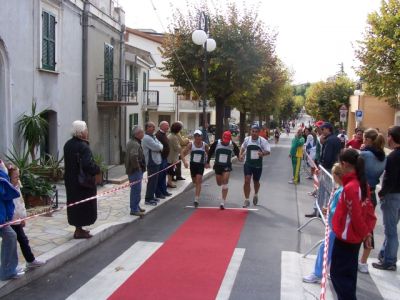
151 99
116 91
193 105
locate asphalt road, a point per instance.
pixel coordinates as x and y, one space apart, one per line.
267 232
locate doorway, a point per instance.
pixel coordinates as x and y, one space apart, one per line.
49 145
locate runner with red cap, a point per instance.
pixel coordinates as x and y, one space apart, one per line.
223 150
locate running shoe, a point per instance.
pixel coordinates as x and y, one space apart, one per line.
222 206
34 264
383 266
312 278
246 203
255 199
196 203
363 268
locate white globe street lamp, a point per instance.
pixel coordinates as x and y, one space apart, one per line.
199 37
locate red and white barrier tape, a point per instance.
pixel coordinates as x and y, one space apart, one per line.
111 191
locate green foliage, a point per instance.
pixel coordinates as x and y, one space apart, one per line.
49 167
99 161
19 159
35 186
33 128
379 53
323 99
236 69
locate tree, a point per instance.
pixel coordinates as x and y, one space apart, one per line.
323 99
379 53
242 44
33 128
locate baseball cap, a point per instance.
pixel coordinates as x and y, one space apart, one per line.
327 125
319 123
255 127
226 136
197 132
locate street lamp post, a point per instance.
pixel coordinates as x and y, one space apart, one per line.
201 37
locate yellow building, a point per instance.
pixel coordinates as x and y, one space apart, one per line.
376 114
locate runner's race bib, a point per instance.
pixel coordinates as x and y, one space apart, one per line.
254 154
197 158
223 158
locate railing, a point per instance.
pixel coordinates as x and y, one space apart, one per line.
193 104
116 89
151 99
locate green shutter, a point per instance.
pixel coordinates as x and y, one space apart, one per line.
108 72
144 81
133 121
48 41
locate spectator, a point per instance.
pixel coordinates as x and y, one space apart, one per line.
390 203
161 135
78 157
357 140
204 132
152 152
9 257
183 141
135 166
316 276
310 148
374 156
352 223
20 213
296 155
174 150
329 155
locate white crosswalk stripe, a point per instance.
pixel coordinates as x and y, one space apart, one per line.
294 266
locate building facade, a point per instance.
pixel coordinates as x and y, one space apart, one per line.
40 61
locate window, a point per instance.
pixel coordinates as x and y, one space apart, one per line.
133 121
144 81
48 41
108 71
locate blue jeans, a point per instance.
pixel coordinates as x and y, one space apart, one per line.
152 182
391 215
162 179
319 262
136 190
9 256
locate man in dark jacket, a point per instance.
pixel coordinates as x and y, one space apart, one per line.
77 157
135 166
161 135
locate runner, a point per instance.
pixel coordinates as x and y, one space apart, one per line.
277 135
223 162
198 156
255 148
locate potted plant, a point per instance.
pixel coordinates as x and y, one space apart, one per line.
98 159
49 167
33 129
35 190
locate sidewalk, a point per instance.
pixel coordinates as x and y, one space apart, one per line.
51 238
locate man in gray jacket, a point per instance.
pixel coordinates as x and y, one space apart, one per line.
135 166
152 151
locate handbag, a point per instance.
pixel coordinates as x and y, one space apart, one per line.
84 179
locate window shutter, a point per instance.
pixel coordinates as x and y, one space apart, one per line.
48 41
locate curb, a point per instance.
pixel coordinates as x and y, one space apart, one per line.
71 249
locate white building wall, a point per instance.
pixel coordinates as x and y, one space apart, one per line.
60 91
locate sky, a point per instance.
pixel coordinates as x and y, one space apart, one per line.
314 36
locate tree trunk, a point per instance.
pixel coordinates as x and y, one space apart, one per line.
243 126
219 109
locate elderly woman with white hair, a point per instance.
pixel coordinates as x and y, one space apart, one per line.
79 177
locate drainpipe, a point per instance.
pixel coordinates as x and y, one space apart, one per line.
122 110
85 24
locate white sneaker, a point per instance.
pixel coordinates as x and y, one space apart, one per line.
19 274
35 264
311 279
246 203
363 268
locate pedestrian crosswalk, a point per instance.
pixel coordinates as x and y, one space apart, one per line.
294 266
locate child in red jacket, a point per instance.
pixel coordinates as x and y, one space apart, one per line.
353 223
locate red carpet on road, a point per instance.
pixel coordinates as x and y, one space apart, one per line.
192 263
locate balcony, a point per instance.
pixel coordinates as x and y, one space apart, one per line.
151 100
193 105
115 92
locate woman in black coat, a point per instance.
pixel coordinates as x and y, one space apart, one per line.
77 151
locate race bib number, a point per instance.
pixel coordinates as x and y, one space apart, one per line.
254 154
197 158
223 158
